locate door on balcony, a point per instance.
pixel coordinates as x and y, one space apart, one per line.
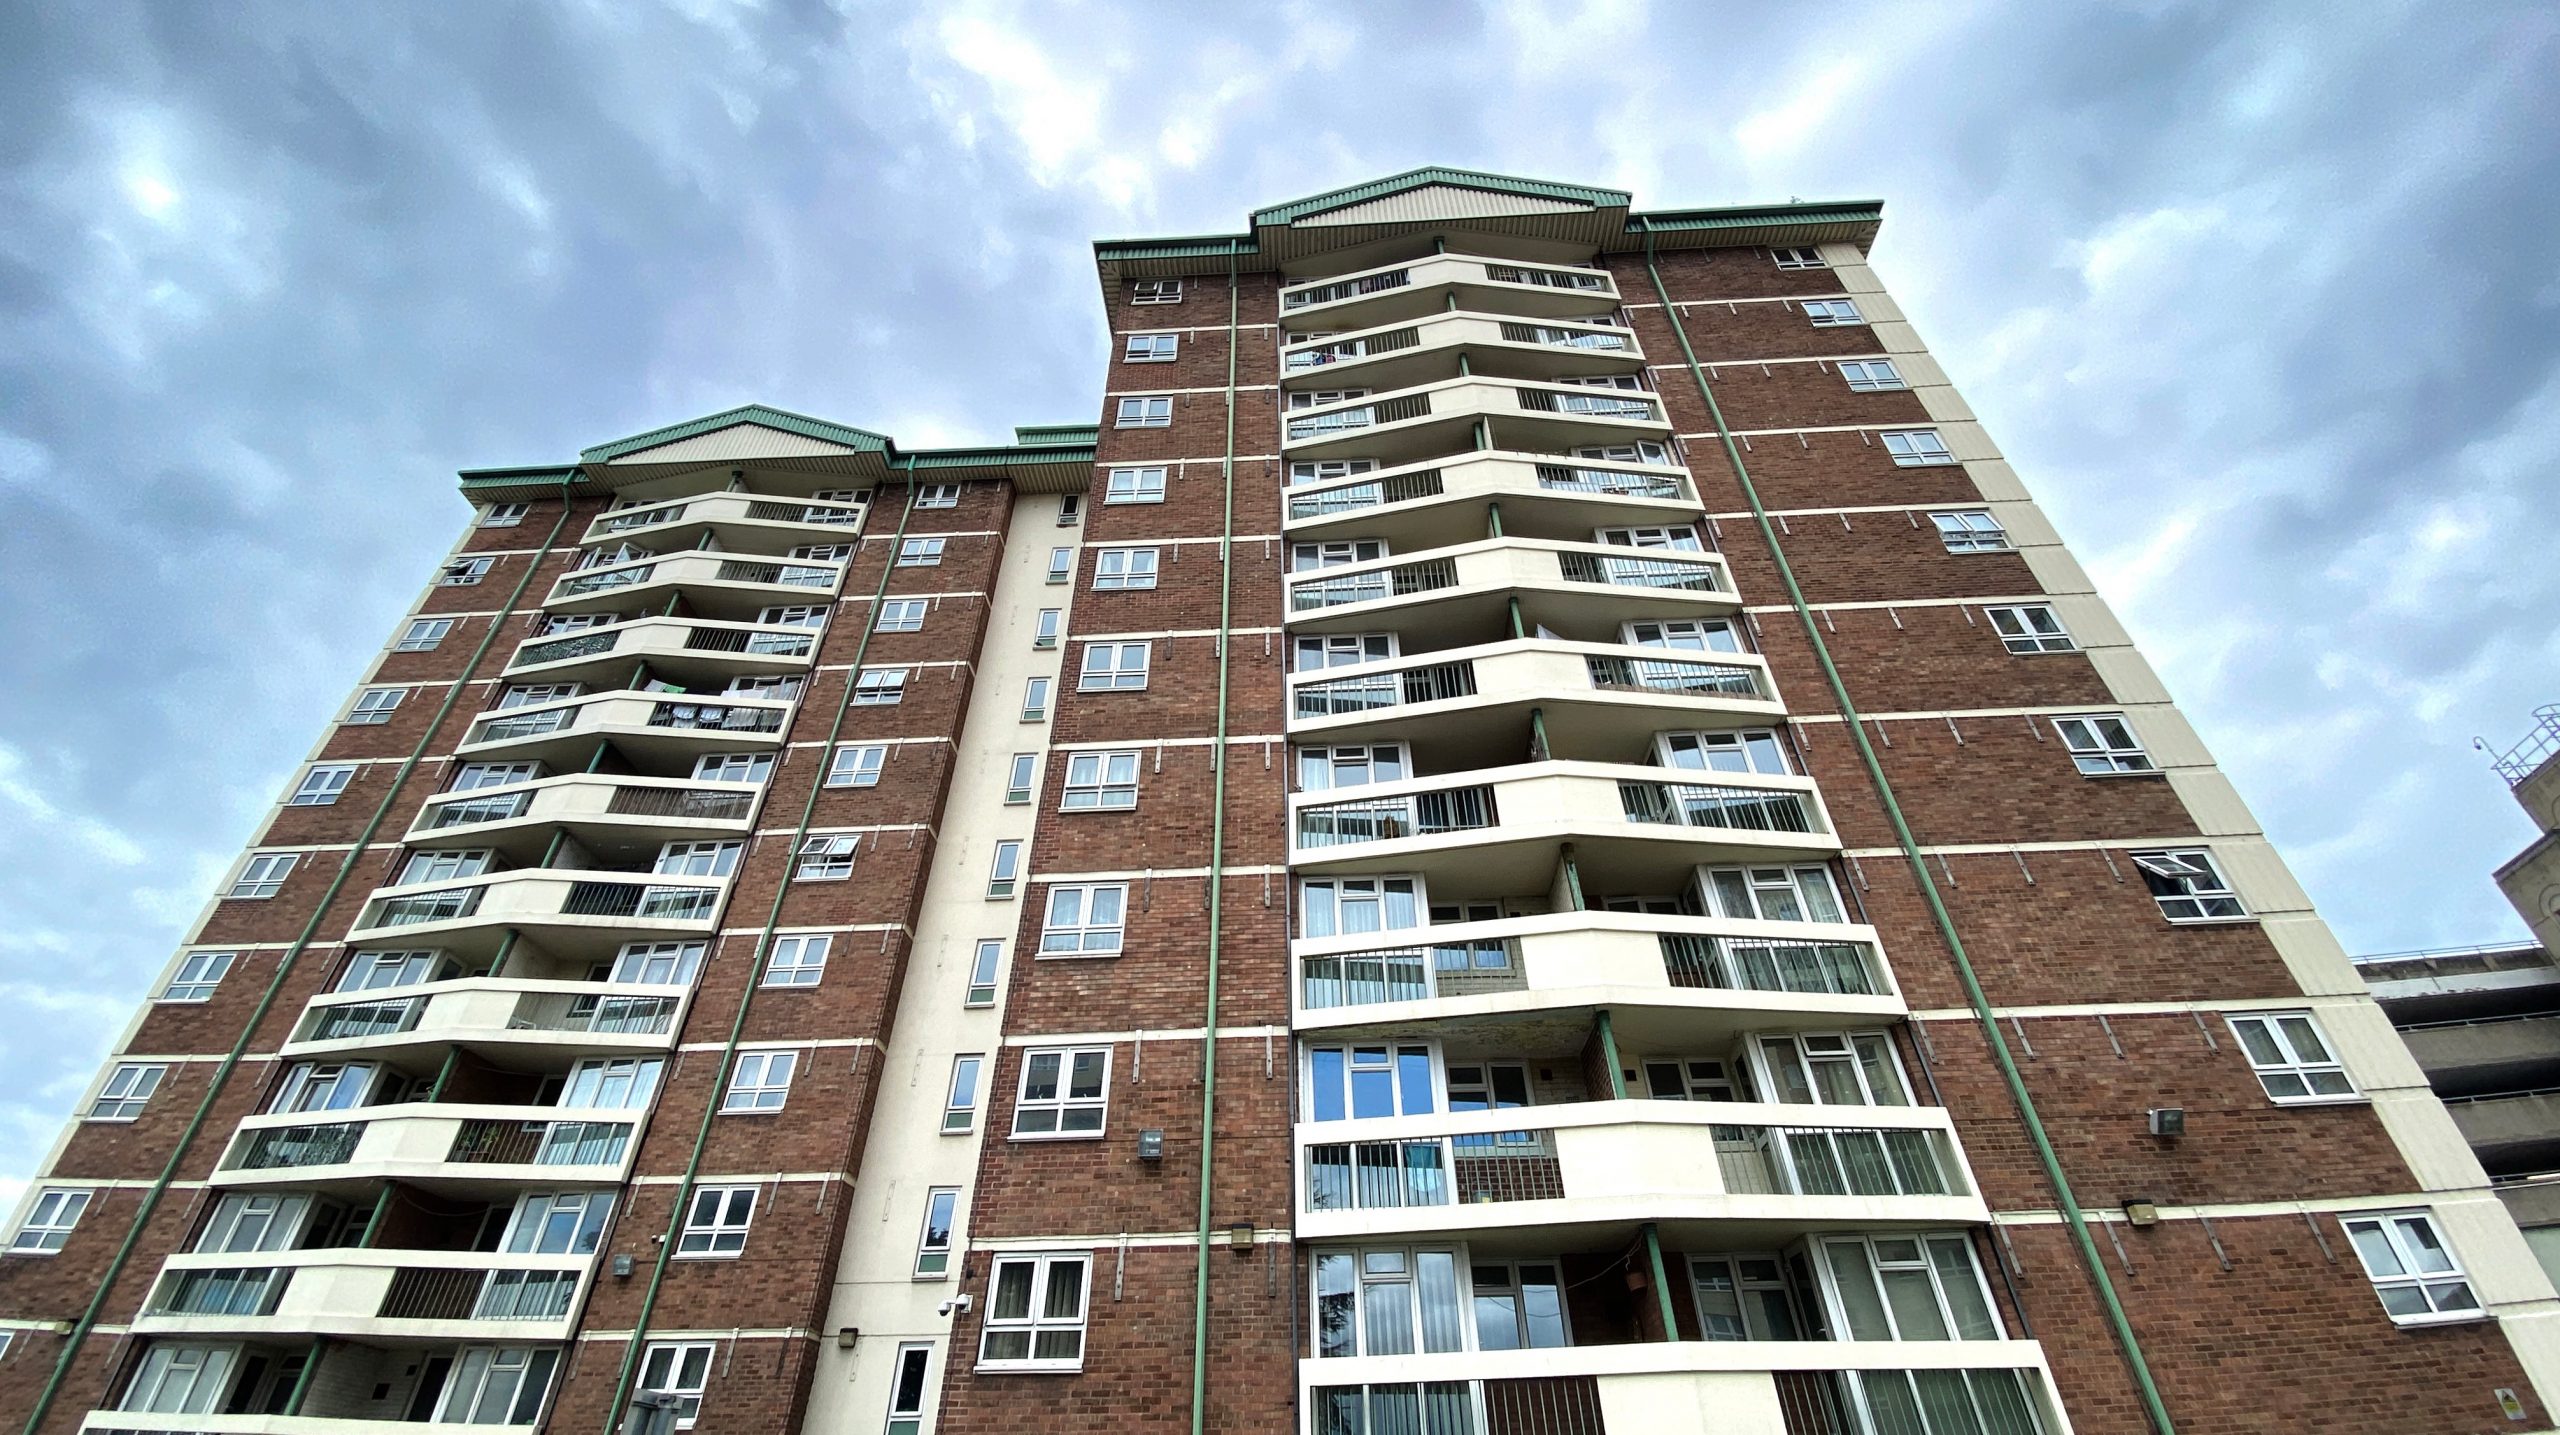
333 1086
443 867
611 1083
1644 451
1694 1079
657 964
1744 1297
1319 398
1387 1302
1831 1068
1897 1287
558 1223
1711 636
1774 894
1682 539
733 767
698 859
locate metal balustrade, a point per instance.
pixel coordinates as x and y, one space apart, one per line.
275 1148
788 575
1689 804
1693 575
1407 974
237 1291
473 810
1318 423
1350 497
1907 1402
534 724
692 803
1402 581
445 1293
594 1013
1345 289
356 1020
1762 965
1387 343
1333 697
1422 814
481 1142
825 515
1540 1405
1593 281
1675 675
764 641
631 519
449 906
582 645
1549 334
1603 404
633 899
720 717
582 584
1572 479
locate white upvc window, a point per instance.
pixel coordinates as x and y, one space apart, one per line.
1044 632
1114 667
2292 1059
823 552
827 857
960 1099
1070 510
1321 398
1004 873
1035 699
1711 635
321 784
879 687
1322 769
2188 885
525 695
1065 1091
907 1387
657 964
1315 652
498 1385
1645 451
938 495
761 1081
262 876
781 687
1832 313
2411 1267
1798 258
797 960
1123 568
1832 1068
1920 1287
422 635
983 967
1155 291
374 706
504 515
900 615
1134 485
1100 782
1021 774
1868 376
554 623
49 1221
439 865
921 552
933 1245
1774 894
733 767
1680 539
127 1090
1035 1312
1319 470
1971 530
555 1223
381 971
857 765
697 859
197 975
1316 557
1150 348
2101 743
1744 1297
463 572
1144 411
1748 750
1084 918
2027 628
1391 1301
1062 565
476 775
1519 1305
1916 448
182 1380
716 1221
618 1083
678 1370
1352 906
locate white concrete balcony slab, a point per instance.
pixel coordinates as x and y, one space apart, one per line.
1395 356
1438 420
2532 882
1445 500
649 728
1391 293
739 522
1445 597
1503 829
508 1019
685 650
568 912
597 809
714 585
375 1295
451 1147
112 1422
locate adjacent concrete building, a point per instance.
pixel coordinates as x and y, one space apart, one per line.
1533 833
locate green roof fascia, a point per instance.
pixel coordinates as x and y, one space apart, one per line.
999 456
1030 435
801 424
1837 211
1191 246
518 477
1297 209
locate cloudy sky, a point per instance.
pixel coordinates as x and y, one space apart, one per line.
2266 311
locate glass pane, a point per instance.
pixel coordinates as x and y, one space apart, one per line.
1953 1258
2425 1250
2304 1037
1914 1301
1719 1301
1437 1285
1066 1291
2262 1047
1413 1080
1013 1291
1386 1317
1854 1273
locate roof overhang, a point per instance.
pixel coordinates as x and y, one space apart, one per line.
1047 458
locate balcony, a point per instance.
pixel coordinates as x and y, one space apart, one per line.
736 522
1694 1167
1395 293
685 650
1401 355
371 1294
714 585
1600 700
1443 597
603 813
1439 419
1444 500
461 1150
650 729
499 1018
568 912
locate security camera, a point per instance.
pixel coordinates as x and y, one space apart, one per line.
958 1303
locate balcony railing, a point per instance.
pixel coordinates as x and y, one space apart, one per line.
1757 964
1345 289
409 911
1333 697
1675 675
633 519
1611 341
1320 422
1301 360
1423 814
788 575
767 643
1907 1402
1367 585
1689 804
1601 405
829 515
1694 575
473 810
720 717
276 1148
523 725
1395 488
1591 280
633 899
1617 483
582 645
1551 1405
1415 973
359 1020
604 581
481 1142
691 803
444 1293
249 1291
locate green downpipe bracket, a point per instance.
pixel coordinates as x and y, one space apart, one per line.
1217 871
2119 1324
275 985
747 991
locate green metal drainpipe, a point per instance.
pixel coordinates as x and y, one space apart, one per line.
2118 1322
747 995
1217 873
302 1378
275 987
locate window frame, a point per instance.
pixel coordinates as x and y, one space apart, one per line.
1872 376
465 572
986 972
1917 448
764 1084
2389 1226
924 552
883 687
503 515
315 790
937 495
933 1258
910 1385
678 1355
1062 565
1800 256
826 857
2290 1062
1127 568
1004 870
1155 291
857 764
2038 642
720 1233
1099 789
262 875
2097 753
964 1093
221 962
808 965
1022 777
1829 315
1152 411
901 615
46 1229
1146 483
1114 675
1046 628
2203 899
1959 532
1032 1326
373 706
118 1091
412 641
1065 1104
1083 934
1151 346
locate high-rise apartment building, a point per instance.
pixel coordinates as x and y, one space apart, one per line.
1532 834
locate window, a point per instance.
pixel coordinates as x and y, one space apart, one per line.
715 1223
827 857
435 866
907 1387
1713 635
1134 485
797 961
1019 777
1156 291
197 975
504 515
474 776
1324 398
2188 886
698 859
933 1250
322 784
243 1224
1745 1297
1910 1288
49 1222
879 687
1084 918
529 694
733 767
1829 1068
657 964
1062 564
2029 628
498 1385
262 876
1750 750
938 495
423 635
960 1103
1916 448
900 615
1035 699
1035 1313
1868 376
1005 871
920 552
1350 906
2100 743
857 766
1774 894
2411 1267
1798 258
1971 530
982 973
1070 509
338 1085
1145 412
1064 1092
567 1223
1321 769
612 1083
1100 781
127 1091
678 1369
376 971
823 552
1519 1305
1390 1302
1044 634
1342 650
575 622
1124 568
462 573
183 1380
761 1080
2291 1060
1319 470
1832 313
1150 348
374 705
1110 667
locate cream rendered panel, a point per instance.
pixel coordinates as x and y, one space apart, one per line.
2088 620
2214 803
1878 309
1892 335
2058 572
1851 268
1996 479
905 1153
1945 405
2129 676
2167 736
1728 1402
1966 440
2025 521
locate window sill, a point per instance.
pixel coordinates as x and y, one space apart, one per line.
1057 1136
1072 956
751 1111
1008 1368
2243 920
2353 1099
2438 1322
2112 776
707 1255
